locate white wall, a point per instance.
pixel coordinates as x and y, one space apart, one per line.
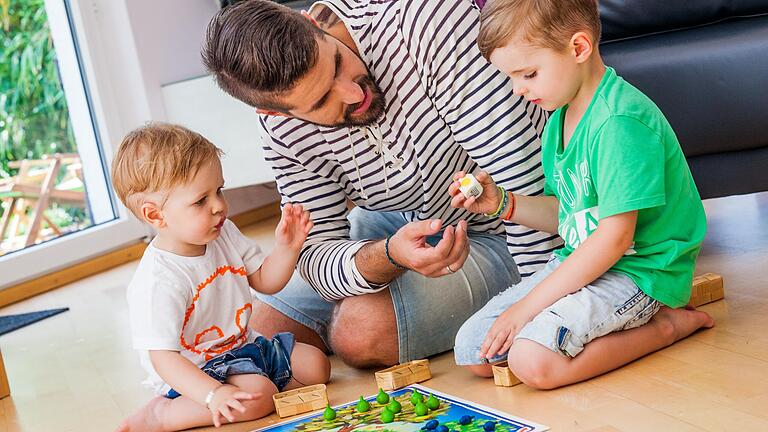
168 35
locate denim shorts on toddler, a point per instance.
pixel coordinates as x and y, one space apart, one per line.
611 303
267 357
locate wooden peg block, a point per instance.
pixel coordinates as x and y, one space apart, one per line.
300 400
706 289
504 377
403 374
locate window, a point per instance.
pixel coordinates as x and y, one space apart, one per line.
64 210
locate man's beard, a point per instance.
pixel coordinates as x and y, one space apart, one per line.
375 109
372 114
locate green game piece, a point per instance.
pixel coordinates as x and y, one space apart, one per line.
394 406
421 409
433 403
382 397
387 416
329 413
363 405
416 397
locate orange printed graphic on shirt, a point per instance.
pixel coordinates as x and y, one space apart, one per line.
231 341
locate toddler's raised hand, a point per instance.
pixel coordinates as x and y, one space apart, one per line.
488 202
225 399
293 228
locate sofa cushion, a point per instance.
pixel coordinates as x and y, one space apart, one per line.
710 82
629 18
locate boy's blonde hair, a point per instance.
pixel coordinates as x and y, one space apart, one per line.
157 157
542 23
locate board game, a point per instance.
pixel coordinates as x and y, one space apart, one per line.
444 413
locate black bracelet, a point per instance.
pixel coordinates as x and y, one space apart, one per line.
386 250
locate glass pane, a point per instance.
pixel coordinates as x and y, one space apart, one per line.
42 184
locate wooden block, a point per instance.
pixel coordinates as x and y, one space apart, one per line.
504 377
403 374
706 289
300 400
5 390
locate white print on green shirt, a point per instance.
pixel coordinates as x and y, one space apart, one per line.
576 226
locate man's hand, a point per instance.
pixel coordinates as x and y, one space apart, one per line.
505 328
488 202
293 228
409 248
225 399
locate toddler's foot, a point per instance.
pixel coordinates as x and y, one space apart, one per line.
677 324
147 419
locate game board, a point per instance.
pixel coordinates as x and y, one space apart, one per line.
450 411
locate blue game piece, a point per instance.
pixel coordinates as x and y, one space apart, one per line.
489 426
441 428
431 425
466 419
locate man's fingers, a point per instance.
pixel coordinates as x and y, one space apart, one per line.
459 175
443 248
422 228
460 249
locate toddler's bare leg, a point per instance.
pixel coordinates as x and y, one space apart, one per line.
310 366
542 368
162 414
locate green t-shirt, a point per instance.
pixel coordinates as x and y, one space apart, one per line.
624 156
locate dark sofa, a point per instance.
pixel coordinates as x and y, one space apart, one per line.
705 64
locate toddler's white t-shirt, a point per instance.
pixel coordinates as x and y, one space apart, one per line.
198 306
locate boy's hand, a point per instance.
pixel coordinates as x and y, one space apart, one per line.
488 201
504 329
226 398
293 228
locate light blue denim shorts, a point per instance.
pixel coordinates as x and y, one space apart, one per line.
611 303
429 311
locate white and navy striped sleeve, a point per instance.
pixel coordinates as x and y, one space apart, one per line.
327 261
473 98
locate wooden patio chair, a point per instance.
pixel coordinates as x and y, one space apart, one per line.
34 188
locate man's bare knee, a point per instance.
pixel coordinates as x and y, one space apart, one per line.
364 331
269 321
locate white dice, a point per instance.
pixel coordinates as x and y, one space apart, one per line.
470 187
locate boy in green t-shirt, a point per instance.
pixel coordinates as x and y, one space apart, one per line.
617 190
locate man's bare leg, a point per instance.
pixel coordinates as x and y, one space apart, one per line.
539 367
364 331
268 321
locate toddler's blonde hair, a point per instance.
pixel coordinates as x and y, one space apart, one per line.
158 157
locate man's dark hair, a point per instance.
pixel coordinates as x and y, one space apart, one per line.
257 49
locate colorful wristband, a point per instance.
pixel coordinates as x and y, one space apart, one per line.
512 206
386 251
502 204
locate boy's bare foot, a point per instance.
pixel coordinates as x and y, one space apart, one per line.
677 324
147 419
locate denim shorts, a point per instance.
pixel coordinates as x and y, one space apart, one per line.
611 303
429 311
267 357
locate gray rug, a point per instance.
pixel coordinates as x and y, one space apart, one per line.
10 323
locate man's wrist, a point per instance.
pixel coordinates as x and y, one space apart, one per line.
389 256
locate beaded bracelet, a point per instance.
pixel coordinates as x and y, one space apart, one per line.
386 251
502 204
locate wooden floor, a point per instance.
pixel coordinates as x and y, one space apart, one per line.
77 372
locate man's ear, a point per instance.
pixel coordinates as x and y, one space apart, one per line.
271 113
152 215
306 15
581 46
